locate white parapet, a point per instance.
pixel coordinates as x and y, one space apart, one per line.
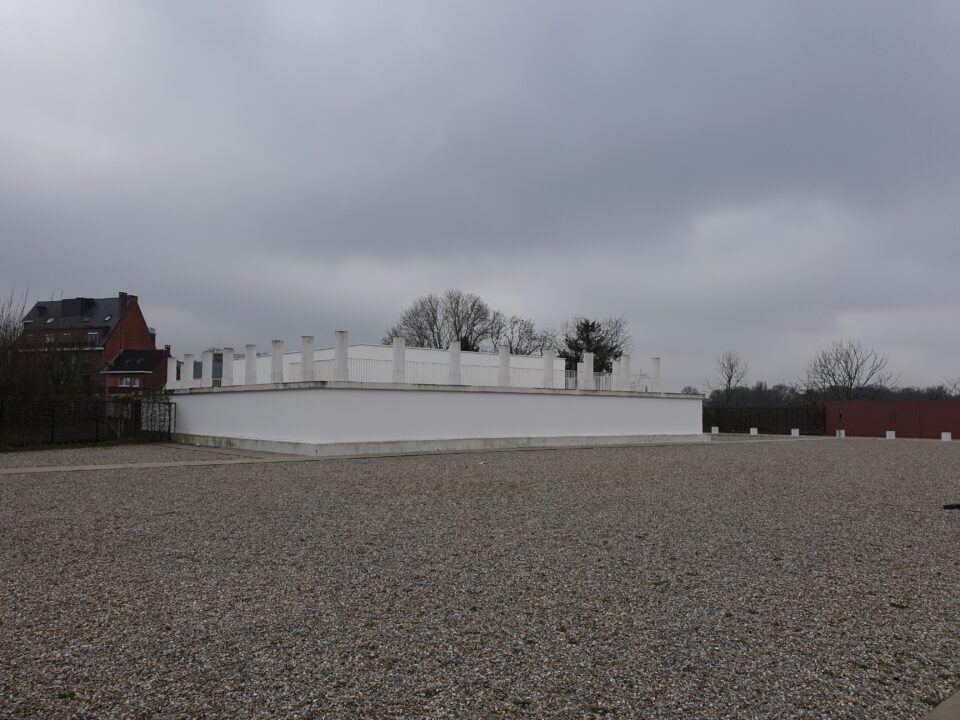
341 364
186 374
250 365
503 377
276 362
306 358
655 364
226 372
548 357
453 368
946 436
795 432
891 434
172 373
206 368
399 360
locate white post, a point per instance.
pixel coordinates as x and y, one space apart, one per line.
587 375
548 368
226 374
714 430
615 375
172 373
625 372
399 360
946 437
186 375
206 368
341 365
306 358
655 362
453 368
504 377
250 365
795 432
891 434
753 431
841 433
276 362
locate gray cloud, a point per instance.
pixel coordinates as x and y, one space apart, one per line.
755 176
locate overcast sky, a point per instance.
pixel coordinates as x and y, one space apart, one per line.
756 176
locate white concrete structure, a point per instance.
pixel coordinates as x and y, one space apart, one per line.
186 376
841 433
306 357
453 367
226 378
399 360
946 436
891 434
753 431
366 418
206 368
795 432
341 365
714 430
172 382
250 366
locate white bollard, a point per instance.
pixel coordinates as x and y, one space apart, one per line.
841 433
795 432
172 373
714 430
250 365
503 378
226 372
306 358
453 368
945 436
186 372
206 368
548 357
753 431
399 360
276 362
891 434
341 363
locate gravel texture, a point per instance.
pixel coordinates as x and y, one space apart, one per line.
795 579
112 455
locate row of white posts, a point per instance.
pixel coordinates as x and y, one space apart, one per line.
585 376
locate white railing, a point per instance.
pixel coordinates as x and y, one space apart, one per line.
427 373
369 370
482 375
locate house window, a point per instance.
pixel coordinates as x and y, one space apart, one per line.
93 338
49 339
124 382
136 382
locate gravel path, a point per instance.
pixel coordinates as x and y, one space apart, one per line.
112 455
763 580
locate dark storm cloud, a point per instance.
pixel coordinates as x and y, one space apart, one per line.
760 176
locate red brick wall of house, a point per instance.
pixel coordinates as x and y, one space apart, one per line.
908 418
131 332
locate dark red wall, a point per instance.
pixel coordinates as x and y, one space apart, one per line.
909 418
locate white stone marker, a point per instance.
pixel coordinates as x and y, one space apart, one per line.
795 432
453 368
399 360
548 356
891 434
753 431
946 436
250 365
226 375
714 430
503 379
186 374
306 358
276 362
172 373
341 365
206 368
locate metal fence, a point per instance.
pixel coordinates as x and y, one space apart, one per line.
770 420
31 421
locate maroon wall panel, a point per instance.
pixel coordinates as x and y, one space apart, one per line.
908 418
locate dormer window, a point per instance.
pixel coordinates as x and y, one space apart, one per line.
93 338
107 318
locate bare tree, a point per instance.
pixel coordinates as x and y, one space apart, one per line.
608 339
519 334
953 386
435 321
731 370
847 371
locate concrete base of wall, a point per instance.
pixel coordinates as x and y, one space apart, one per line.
402 447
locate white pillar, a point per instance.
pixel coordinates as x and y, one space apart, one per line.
753 431
226 376
399 360
585 378
453 368
655 362
172 373
615 375
306 358
625 378
946 437
548 356
795 432
503 379
186 375
206 368
891 434
341 365
276 362
250 366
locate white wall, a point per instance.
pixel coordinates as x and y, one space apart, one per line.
320 416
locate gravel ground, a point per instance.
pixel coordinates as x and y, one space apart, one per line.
804 579
111 455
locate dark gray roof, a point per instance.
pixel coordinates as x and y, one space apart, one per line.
74 313
136 361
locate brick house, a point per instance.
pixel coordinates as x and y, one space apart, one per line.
107 340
